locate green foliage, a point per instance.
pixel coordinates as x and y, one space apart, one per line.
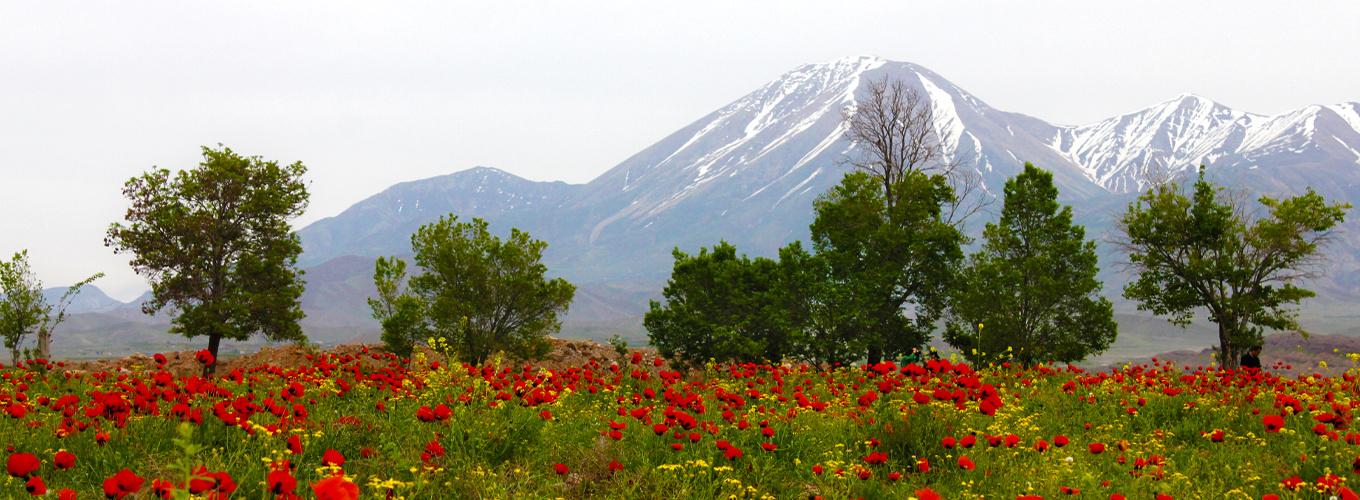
24 310
401 314
620 346
721 307
1033 285
886 262
816 309
22 306
1206 250
481 295
216 246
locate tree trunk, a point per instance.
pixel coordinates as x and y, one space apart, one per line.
44 344
214 340
875 354
1228 351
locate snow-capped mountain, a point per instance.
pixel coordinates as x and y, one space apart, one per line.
1190 131
749 172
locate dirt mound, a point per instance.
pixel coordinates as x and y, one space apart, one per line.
1301 355
565 354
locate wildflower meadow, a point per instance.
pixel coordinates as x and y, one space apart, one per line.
370 425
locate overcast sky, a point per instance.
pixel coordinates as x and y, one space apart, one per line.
371 94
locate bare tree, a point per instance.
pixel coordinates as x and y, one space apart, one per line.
892 127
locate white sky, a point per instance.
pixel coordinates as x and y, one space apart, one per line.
371 94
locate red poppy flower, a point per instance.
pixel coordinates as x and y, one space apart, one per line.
927 494
966 463
16 410
101 438
332 457
160 358
1041 445
22 464
615 465
161 488
865 474
768 446
894 476
200 480
1012 440
367 452
1216 436
335 488
1060 440
732 453
1097 448
281 480
545 415
677 446
923 465
66 494
225 484
64 460
434 449
817 469
948 442
1293 483
968 441
122 483
1069 491
35 486
205 357
295 445
875 458
1273 423
767 432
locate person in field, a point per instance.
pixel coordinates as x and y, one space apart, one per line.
1251 359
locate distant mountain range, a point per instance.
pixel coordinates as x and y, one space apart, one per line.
749 172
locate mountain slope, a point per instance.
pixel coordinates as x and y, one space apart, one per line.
383 223
749 172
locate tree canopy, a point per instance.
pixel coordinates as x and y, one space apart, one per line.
1211 248
722 307
479 295
216 245
890 264
1033 285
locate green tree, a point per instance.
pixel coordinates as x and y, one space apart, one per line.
24 309
1033 285
402 315
817 312
890 265
1212 249
217 248
482 295
719 306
